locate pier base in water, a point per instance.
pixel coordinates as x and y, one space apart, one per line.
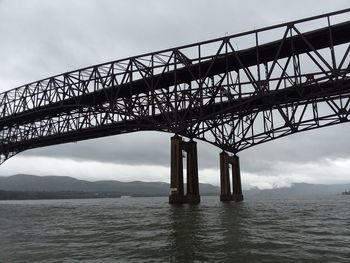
226 194
177 193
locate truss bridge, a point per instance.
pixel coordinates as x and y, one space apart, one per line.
233 92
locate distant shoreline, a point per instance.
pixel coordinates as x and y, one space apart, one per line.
38 195
31 187
27 187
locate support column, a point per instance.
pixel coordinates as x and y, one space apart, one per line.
176 171
225 178
192 195
236 179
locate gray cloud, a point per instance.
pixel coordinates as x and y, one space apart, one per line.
45 38
153 148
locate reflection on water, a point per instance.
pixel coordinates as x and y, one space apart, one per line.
186 236
232 216
151 230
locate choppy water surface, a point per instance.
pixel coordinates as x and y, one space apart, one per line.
151 230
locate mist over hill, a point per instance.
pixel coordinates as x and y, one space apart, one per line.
299 190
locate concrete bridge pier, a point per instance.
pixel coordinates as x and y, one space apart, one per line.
226 194
177 193
192 194
176 171
236 179
225 178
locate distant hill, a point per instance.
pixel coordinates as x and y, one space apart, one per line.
32 183
74 187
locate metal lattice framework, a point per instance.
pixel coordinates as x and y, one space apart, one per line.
234 92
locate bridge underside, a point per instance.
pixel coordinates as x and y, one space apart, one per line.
233 92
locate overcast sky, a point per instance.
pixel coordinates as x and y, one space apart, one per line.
40 38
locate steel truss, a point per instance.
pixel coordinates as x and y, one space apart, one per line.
234 92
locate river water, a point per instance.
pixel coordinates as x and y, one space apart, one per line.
151 230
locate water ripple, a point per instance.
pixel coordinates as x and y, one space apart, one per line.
150 230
